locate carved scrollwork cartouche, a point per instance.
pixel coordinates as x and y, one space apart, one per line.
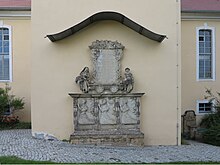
106 57
106 74
106 44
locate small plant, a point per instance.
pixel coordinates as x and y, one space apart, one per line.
214 99
211 122
14 125
8 102
65 140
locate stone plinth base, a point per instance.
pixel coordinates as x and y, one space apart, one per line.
113 138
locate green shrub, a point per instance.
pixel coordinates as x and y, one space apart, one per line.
211 122
212 135
214 99
3 101
17 125
9 102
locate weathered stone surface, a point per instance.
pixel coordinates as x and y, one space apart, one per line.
106 68
114 138
106 111
43 135
86 114
106 73
106 57
107 107
111 119
189 124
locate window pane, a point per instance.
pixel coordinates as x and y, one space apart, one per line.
201 32
6 49
205 107
1 69
201 44
4 67
5 31
4 54
207 38
207 50
6 43
205 54
201 50
208 44
207 32
208 65
6 37
201 38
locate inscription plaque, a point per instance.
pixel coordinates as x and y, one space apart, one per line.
106 68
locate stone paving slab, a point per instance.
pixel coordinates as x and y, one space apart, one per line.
20 143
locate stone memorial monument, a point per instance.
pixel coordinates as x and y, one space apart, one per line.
106 112
189 124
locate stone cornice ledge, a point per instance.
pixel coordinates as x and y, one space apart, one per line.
200 15
80 95
15 13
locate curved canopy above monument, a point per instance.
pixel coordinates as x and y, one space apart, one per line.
107 16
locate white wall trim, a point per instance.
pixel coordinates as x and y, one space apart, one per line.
10 51
206 27
192 15
9 14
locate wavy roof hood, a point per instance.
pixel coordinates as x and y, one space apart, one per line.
107 16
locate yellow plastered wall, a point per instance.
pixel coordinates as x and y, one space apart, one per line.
193 90
21 50
154 65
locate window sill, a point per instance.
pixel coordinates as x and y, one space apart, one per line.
204 113
5 81
205 80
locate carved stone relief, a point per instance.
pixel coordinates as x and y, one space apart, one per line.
106 74
107 110
129 110
86 111
107 113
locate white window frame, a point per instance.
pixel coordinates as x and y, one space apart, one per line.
10 52
205 27
203 113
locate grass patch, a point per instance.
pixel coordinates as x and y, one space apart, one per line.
18 125
191 163
15 160
184 142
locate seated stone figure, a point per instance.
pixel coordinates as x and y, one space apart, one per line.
128 81
83 80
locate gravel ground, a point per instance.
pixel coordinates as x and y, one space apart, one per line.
21 144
